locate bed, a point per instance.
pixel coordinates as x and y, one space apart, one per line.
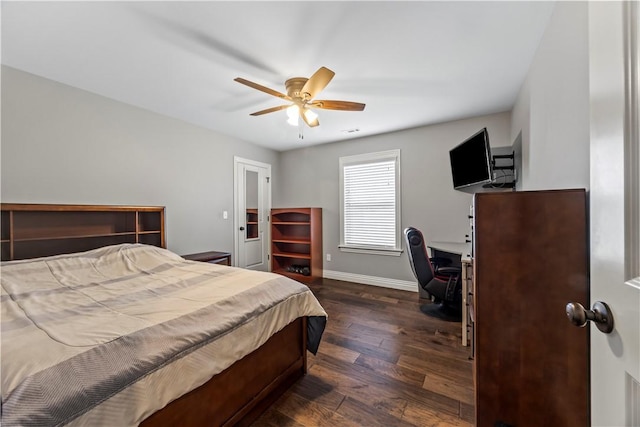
132 333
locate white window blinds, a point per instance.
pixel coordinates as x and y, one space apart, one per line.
370 210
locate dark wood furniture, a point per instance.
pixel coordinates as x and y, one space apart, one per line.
296 243
239 394
36 230
530 259
213 257
235 396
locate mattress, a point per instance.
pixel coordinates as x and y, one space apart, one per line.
109 336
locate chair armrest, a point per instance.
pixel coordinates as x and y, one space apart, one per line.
440 262
449 271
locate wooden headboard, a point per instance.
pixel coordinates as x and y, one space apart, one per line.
36 230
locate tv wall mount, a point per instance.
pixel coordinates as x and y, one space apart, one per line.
505 163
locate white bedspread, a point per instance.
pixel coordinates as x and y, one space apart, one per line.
95 338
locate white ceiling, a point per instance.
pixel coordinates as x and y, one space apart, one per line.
411 63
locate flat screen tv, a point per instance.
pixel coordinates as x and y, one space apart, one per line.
471 161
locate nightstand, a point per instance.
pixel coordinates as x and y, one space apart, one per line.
213 257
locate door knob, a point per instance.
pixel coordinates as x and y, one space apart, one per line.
241 228
600 314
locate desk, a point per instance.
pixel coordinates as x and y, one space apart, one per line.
453 250
460 256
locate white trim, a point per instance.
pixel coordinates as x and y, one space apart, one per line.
267 235
635 283
370 251
632 144
369 158
382 282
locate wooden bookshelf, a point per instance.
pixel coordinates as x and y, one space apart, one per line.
37 230
296 243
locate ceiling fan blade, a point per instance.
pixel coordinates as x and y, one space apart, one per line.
270 110
318 81
338 105
310 123
262 88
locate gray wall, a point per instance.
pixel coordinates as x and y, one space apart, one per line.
552 108
310 177
64 145
549 125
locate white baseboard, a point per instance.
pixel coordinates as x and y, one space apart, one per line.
383 282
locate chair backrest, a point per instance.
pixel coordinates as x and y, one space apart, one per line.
418 256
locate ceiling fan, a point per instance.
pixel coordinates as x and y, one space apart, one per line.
301 93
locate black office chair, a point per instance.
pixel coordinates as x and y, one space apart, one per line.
442 283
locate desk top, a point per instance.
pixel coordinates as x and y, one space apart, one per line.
457 248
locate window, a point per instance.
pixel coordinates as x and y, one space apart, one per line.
370 203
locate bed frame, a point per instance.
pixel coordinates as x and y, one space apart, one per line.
236 396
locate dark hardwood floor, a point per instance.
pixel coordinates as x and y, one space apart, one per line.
381 362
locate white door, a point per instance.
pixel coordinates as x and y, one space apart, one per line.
615 216
252 206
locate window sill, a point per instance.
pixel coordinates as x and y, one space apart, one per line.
370 251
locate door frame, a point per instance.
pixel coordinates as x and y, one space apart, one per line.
237 161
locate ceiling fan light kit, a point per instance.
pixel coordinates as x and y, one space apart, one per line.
293 112
310 114
301 92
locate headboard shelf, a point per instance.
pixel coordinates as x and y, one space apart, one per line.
90 236
36 230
